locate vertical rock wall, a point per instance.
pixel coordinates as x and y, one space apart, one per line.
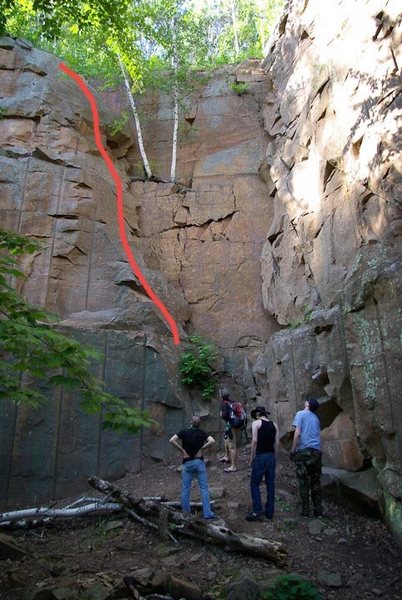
55 186
331 265
206 233
332 115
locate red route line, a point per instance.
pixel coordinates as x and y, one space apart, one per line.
120 210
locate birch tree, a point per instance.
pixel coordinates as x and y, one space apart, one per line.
118 40
234 25
143 154
106 54
169 26
175 101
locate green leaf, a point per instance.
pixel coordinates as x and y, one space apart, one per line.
70 383
195 366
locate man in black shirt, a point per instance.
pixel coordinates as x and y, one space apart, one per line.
264 446
193 441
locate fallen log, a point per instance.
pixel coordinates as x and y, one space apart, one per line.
218 533
32 517
187 526
112 491
127 503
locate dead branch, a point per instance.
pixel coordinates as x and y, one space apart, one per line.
127 502
218 533
163 524
188 526
157 514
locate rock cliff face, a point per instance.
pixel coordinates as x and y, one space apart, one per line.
325 204
333 158
331 265
55 186
280 243
206 234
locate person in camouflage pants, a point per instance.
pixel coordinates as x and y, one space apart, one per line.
308 473
306 455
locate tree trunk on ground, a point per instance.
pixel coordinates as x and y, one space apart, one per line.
41 515
188 526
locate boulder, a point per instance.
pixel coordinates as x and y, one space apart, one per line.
340 445
362 488
244 588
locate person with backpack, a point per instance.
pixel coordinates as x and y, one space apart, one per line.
306 455
264 448
235 419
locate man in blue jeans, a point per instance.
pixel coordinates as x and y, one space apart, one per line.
264 447
193 441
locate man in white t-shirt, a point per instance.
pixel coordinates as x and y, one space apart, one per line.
306 454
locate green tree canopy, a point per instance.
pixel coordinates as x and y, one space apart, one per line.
84 14
83 32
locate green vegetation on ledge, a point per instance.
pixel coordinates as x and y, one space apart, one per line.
239 88
195 366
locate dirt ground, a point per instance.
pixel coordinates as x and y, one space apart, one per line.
345 555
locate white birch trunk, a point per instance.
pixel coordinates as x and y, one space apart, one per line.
144 158
176 106
21 518
261 22
175 130
234 22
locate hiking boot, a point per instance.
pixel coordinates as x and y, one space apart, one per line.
252 516
317 513
269 517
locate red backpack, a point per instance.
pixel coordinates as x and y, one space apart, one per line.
237 415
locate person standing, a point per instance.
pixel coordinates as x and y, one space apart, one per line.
193 441
231 435
264 447
306 455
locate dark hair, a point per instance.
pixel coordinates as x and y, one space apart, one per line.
259 410
225 393
313 404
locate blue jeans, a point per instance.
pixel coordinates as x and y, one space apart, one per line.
263 464
195 469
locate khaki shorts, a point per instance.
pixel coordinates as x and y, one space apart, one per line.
235 441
